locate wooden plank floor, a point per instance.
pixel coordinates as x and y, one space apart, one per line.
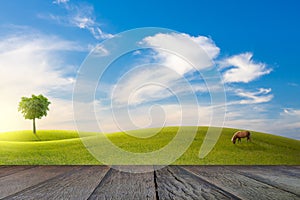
172 182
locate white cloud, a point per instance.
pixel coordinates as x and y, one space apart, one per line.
98 33
137 52
184 49
154 83
293 84
166 79
98 50
82 22
155 115
261 96
244 69
32 64
60 1
79 15
290 112
36 42
207 44
145 84
244 118
287 124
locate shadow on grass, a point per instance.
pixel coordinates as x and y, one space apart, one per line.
38 138
253 145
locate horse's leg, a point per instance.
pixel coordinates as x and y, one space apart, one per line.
239 139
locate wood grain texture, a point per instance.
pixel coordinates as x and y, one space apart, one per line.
124 185
277 176
23 179
291 170
241 186
175 183
8 170
77 184
172 182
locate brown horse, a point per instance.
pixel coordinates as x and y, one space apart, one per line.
240 134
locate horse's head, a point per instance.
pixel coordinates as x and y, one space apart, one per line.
233 139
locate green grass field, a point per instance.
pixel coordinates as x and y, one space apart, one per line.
66 148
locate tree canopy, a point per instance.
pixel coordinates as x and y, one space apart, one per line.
34 107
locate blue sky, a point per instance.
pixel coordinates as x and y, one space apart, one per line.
43 44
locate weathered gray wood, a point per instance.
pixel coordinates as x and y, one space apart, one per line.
290 170
78 184
8 170
19 181
175 183
123 185
276 176
239 185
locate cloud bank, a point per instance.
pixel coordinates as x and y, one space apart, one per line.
32 64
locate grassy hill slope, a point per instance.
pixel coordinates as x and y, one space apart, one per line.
65 147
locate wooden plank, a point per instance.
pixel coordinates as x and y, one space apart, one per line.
78 184
185 182
8 170
237 184
276 176
19 181
175 183
291 170
124 185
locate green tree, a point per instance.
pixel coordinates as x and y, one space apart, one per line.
34 108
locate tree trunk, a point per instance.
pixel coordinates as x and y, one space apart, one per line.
34 130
